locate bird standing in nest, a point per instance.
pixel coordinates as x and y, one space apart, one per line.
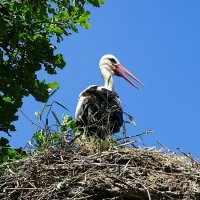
99 108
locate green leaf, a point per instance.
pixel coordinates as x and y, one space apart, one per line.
57 30
73 124
11 153
62 184
96 3
39 137
56 118
85 25
101 1
133 122
59 61
7 99
52 85
131 119
37 36
43 109
4 142
53 92
61 105
83 20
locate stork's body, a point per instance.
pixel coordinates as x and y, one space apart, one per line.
99 109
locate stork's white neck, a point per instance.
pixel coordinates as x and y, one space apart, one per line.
107 72
109 82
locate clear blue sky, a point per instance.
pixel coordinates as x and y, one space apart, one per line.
159 41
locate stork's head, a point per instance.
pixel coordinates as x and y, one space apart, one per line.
109 65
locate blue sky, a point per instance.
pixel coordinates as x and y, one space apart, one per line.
159 42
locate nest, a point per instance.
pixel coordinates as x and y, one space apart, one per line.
118 173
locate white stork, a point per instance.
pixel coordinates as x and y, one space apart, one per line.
99 109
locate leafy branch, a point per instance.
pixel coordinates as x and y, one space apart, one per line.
26 47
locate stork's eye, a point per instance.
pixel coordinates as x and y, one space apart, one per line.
113 60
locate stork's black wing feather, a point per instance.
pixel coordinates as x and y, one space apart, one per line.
100 111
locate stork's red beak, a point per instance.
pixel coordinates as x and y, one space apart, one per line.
119 69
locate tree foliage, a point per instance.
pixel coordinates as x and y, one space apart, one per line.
26 46
7 153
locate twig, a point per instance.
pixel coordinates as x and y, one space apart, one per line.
127 143
124 168
24 189
139 181
162 145
137 135
187 155
29 119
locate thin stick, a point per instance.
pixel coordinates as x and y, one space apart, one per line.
127 143
124 168
137 135
187 155
24 188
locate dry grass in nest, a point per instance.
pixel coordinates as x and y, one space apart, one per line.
90 172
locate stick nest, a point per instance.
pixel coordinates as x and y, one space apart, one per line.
118 173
